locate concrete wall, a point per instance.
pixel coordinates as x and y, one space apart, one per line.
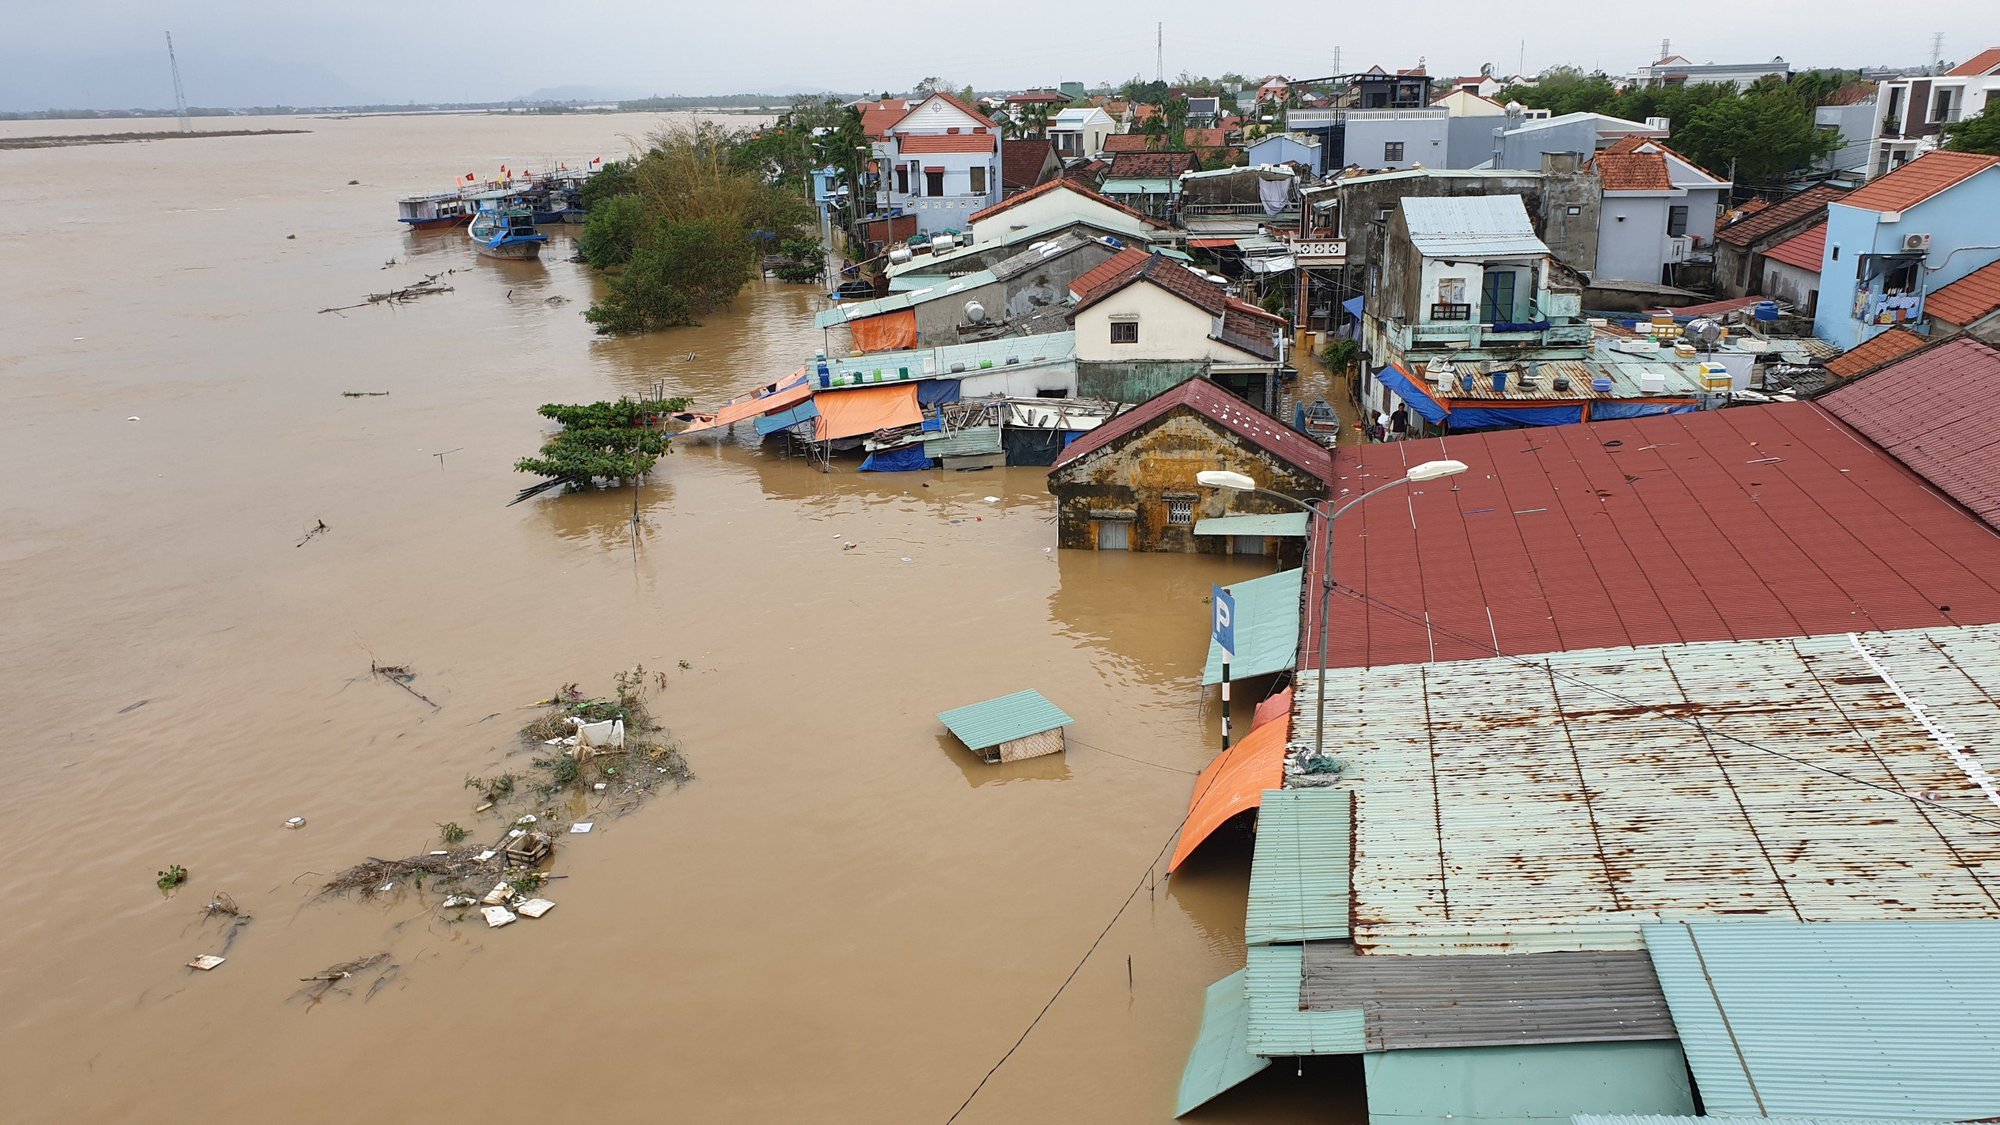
1548 199
1524 148
1422 133
1630 234
1790 283
1138 474
1022 380
1047 283
1281 149
1134 380
1469 140
1567 213
1856 126
1169 329
938 320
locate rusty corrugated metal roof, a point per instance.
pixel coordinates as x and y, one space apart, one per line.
1507 805
1764 521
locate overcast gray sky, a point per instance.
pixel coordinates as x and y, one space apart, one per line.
395 50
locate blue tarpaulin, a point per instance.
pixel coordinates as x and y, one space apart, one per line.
908 458
1489 418
931 392
1612 411
934 424
1412 392
1355 306
769 424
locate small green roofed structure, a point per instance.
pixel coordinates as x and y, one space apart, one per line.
1010 728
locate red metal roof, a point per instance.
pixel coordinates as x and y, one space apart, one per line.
944 142
1765 521
1918 180
1218 406
1803 251
1985 62
1967 299
1936 412
1770 219
1874 352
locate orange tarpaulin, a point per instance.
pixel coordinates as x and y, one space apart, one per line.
863 411
1233 783
1279 704
890 332
793 391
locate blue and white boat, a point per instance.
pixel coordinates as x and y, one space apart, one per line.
506 234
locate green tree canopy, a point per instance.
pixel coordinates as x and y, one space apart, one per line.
1976 134
609 443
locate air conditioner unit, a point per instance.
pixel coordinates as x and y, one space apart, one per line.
1917 242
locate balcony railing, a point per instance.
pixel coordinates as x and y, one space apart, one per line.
1469 335
1451 312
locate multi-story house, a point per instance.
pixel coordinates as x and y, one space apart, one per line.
1914 109
1675 70
943 163
1896 239
1078 132
1658 214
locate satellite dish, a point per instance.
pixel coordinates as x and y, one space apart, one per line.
975 313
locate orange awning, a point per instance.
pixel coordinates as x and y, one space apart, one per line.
863 411
889 332
1233 783
794 390
1279 704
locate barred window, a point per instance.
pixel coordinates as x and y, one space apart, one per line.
1180 512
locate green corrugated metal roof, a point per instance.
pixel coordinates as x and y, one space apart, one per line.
968 441
1284 523
1298 877
1221 1058
1277 1028
1267 628
1525 1085
844 311
1009 717
1877 1019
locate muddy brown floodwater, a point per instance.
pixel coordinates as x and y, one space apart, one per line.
844 919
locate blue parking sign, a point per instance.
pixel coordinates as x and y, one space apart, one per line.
1225 623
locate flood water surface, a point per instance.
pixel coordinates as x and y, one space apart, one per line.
844 918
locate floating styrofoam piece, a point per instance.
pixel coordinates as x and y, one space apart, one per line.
208 961
482 857
536 907
600 787
991 499
457 901
610 732
500 893
497 916
441 853
296 822
582 826
517 833
529 819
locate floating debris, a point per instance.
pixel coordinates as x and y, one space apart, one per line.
296 822
536 907
583 826
206 962
497 916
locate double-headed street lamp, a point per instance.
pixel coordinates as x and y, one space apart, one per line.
1327 513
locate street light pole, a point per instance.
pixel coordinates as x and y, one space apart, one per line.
1327 513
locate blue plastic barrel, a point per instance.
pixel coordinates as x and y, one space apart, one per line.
1500 381
1765 310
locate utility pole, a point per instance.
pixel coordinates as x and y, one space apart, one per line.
180 96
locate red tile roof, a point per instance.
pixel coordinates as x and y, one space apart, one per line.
1632 171
1935 411
1060 185
1152 165
1022 162
1218 406
1207 138
1116 269
1967 299
1918 180
1802 251
878 116
1129 142
1764 521
1874 352
1777 216
1164 272
1985 62
1038 97
944 142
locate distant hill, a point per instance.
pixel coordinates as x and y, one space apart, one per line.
582 94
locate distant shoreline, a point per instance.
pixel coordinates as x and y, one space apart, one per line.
66 140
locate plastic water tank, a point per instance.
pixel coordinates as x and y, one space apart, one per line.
899 254
1601 384
1765 310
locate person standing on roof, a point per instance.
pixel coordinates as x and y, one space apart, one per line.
1399 423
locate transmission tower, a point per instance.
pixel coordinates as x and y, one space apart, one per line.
1159 52
180 95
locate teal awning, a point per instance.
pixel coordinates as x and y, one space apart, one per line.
1284 523
1221 1058
1176 255
1299 872
1267 628
1540 1085
980 725
1278 1026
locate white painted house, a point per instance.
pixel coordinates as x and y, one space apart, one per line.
1659 211
1078 132
1914 110
943 163
1055 205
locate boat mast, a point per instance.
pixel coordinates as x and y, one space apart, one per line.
180 96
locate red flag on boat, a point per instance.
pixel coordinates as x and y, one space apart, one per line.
468 177
597 160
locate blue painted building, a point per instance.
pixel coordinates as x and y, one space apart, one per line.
1290 148
1909 233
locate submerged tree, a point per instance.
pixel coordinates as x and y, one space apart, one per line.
602 443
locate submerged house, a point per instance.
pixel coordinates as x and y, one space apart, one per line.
1129 484
1145 323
